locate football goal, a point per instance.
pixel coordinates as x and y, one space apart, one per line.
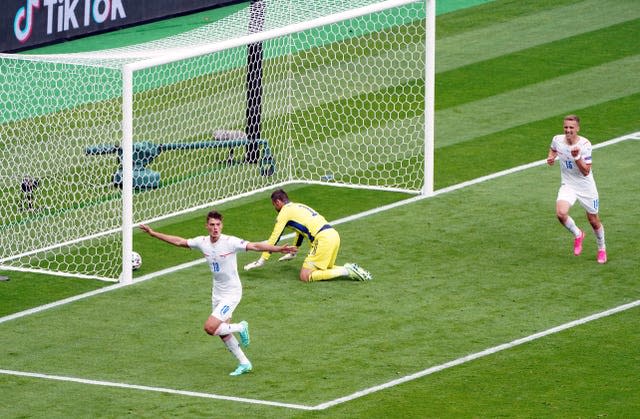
281 92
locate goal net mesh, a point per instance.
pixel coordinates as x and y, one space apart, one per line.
340 103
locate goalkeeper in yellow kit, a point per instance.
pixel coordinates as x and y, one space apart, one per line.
324 240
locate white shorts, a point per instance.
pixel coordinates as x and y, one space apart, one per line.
590 203
222 309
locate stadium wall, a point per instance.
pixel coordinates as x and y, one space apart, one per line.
26 24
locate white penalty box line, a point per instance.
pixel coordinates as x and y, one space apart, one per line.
150 388
360 393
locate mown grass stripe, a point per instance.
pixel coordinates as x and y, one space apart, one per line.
453 5
488 14
537 64
531 30
471 83
598 84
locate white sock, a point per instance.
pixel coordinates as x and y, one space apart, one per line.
572 227
227 329
600 237
234 347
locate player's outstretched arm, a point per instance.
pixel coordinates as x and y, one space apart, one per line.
287 249
174 240
266 247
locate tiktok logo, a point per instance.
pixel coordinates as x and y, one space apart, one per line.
23 22
66 15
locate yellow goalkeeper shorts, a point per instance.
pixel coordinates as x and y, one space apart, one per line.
324 251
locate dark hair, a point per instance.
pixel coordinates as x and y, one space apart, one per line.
215 215
280 195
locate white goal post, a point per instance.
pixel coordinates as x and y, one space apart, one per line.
281 92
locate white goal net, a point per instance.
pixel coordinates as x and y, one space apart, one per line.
284 91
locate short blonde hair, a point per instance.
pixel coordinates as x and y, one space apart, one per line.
572 118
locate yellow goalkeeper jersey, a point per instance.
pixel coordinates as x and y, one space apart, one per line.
303 219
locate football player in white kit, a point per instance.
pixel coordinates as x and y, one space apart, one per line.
220 253
577 183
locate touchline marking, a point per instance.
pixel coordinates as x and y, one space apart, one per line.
340 400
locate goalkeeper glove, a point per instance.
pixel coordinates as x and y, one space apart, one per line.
286 257
258 263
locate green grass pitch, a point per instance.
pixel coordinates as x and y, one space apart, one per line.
455 274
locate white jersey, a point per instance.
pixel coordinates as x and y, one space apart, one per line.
570 174
221 257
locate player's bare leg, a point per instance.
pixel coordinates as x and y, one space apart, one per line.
562 212
598 230
216 327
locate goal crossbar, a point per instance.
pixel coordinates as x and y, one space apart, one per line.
345 98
